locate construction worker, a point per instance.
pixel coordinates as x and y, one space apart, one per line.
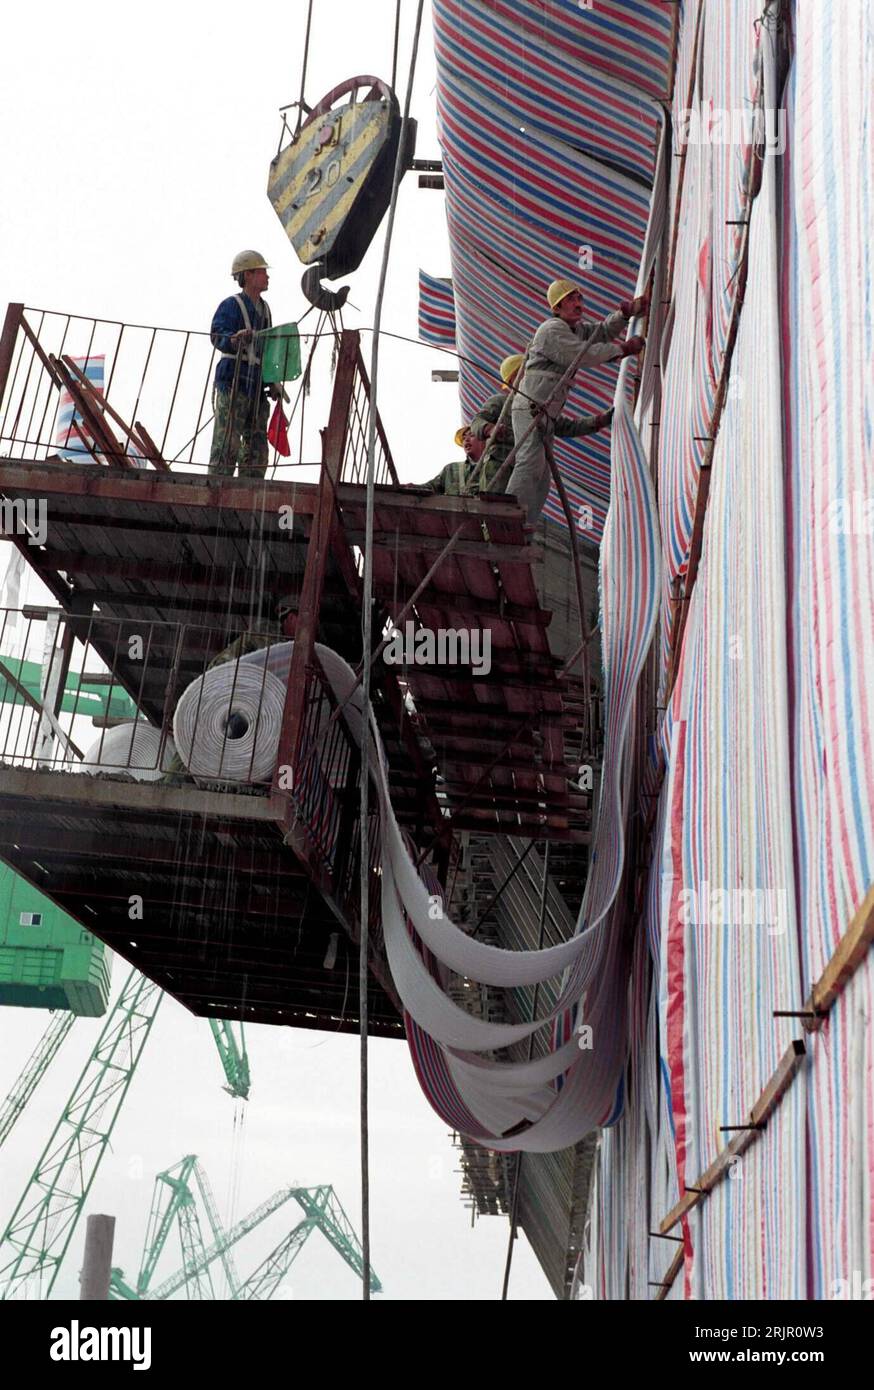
554 347
485 426
451 481
239 437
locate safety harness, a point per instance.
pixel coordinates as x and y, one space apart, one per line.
250 357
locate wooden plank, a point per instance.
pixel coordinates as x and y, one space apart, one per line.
761 1112
225 495
479 549
851 950
105 444
44 787
671 1275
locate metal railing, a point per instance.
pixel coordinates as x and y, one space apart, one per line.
98 391
324 786
354 465
97 695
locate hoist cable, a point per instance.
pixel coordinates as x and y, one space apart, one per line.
367 636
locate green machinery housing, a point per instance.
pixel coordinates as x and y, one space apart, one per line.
47 961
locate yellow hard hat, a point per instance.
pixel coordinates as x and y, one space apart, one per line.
559 290
511 365
459 435
248 260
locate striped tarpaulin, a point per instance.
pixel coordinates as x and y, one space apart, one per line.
828 272
72 439
436 310
764 837
548 136
549 1103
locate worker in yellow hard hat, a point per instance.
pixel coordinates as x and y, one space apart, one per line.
451 481
488 426
554 347
239 437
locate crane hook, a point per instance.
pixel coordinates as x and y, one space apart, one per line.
317 293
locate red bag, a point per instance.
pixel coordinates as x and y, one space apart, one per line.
277 431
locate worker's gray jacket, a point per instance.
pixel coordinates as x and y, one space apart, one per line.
553 349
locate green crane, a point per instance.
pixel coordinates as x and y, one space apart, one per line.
174 1200
234 1059
324 1213
34 1070
41 1227
321 1210
85 695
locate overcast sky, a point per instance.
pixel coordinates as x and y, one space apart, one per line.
136 152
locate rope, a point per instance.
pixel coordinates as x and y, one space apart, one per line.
367 637
303 71
514 1206
394 55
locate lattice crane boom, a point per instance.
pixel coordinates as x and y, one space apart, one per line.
34 1070
214 1251
325 1210
266 1279
234 1058
218 1232
41 1227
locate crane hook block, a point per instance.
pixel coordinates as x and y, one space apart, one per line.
331 185
328 300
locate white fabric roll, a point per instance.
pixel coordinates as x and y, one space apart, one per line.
131 747
227 723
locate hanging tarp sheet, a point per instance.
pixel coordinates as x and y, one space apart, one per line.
436 310
548 156
764 833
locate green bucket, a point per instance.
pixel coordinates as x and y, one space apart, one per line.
280 360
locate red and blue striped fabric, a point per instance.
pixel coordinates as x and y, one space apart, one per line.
72 439
768 738
548 156
828 271
436 311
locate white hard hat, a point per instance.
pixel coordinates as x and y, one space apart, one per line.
248 260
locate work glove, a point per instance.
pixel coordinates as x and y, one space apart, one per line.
603 420
631 308
633 347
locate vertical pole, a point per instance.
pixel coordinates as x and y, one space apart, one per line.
7 343
50 691
318 550
96 1265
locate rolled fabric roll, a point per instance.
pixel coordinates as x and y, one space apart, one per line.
130 747
227 723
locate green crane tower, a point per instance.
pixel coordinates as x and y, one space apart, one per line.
322 1211
174 1200
234 1059
34 1070
41 1227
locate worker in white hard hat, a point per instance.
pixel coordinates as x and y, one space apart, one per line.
239 437
553 349
487 425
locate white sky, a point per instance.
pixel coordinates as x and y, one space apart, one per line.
134 167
